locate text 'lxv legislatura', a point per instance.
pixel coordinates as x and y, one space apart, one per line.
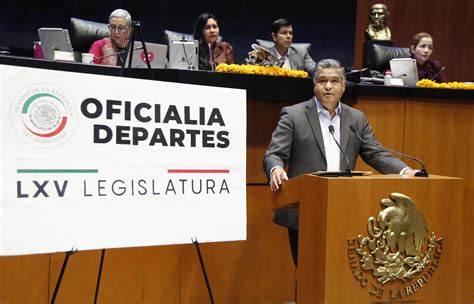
120 187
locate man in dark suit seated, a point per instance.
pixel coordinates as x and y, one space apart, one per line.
302 141
292 58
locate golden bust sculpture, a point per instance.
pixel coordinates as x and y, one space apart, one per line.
378 29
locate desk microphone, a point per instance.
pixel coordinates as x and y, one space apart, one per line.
439 72
357 71
211 59
422 172
115 54
346 172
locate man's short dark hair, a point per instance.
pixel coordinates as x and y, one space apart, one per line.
277 24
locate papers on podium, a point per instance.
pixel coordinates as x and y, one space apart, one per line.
339 173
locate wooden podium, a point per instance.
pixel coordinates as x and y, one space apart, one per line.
335 211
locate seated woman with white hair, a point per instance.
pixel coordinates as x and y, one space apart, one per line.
120 27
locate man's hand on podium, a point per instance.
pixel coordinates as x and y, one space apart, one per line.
278 176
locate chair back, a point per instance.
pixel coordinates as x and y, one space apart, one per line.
269 44
380 56
172 35
84 32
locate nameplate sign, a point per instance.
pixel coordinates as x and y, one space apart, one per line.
92 161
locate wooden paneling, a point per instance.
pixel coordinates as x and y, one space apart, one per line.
129 275
451 23
24 279
258 270
386 116
442 135
262 119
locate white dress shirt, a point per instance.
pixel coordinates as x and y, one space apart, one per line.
332 151
285 59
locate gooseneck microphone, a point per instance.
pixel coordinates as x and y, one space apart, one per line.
357 71
115 54
439 72
422 172
211 58
346 172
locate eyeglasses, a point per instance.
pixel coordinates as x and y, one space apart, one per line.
120 28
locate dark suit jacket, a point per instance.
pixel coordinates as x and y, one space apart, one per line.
297 142
299 58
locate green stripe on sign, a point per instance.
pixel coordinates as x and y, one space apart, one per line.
57 171
33 98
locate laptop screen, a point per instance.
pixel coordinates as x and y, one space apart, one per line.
54 39
406 69
156 55
184 55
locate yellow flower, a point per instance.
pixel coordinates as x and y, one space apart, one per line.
426 83
260 70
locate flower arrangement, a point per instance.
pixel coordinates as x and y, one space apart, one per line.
426 83
260 70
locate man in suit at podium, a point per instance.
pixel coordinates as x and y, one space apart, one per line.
303 141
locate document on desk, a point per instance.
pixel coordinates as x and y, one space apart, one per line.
93 161
339 173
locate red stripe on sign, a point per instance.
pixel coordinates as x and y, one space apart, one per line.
198 171
55 132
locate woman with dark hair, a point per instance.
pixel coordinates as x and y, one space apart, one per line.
421 48
211 51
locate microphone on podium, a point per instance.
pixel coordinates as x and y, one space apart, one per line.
346 172
115 54
422 172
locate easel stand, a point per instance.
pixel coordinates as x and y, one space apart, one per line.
63 269
203 268
99 276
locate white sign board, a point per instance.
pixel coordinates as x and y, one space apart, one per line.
91 161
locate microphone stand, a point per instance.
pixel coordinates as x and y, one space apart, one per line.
347 171
421 173
211 59
137 28
439 72
114 54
